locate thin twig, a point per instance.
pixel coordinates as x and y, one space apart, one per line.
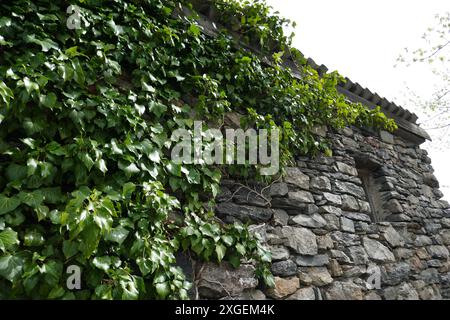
220 284
196 276
270 185
234 193
241 186
435 52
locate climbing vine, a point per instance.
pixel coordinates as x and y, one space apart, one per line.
86 117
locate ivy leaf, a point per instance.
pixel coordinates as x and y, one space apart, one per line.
33 238
56 293
78 74
194 30
102 263
157 108
103 219
115 148
69 248
29 85
48 100
73 52
15 172
6 93
33 125
228 240
240 248
116 28
104 292
41 212
117 235
101 165
269 279
215 189
147 87
8 204
174 169
145 265
127 189
234 260
31 281
129 169
8 238
162 289
46 169
5 22
3 42
193 176
15 218
65 71
129 289
174 183
46 44
266 256
11 267
55 148
220 251
139 108
89 239
32 199
32 165
87 160
53 271
154 156
52 195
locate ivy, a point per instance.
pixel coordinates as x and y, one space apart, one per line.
86 119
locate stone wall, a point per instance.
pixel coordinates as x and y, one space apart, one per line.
320 227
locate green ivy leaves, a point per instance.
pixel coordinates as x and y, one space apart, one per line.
87 115
6 93
10 267
8 204
8 238
46 44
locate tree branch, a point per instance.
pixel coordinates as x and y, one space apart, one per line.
435 52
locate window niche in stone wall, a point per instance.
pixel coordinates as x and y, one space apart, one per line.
367 172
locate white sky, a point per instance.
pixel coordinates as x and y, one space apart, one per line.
363 39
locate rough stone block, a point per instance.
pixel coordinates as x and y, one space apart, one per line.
301 240
340 290
303 294
278 190
283 287
377 251
320 183
332 199
279 253
296 177
347 225
244 213
349 203
311 221
346 169
312 261
350 188
217 281
284 268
